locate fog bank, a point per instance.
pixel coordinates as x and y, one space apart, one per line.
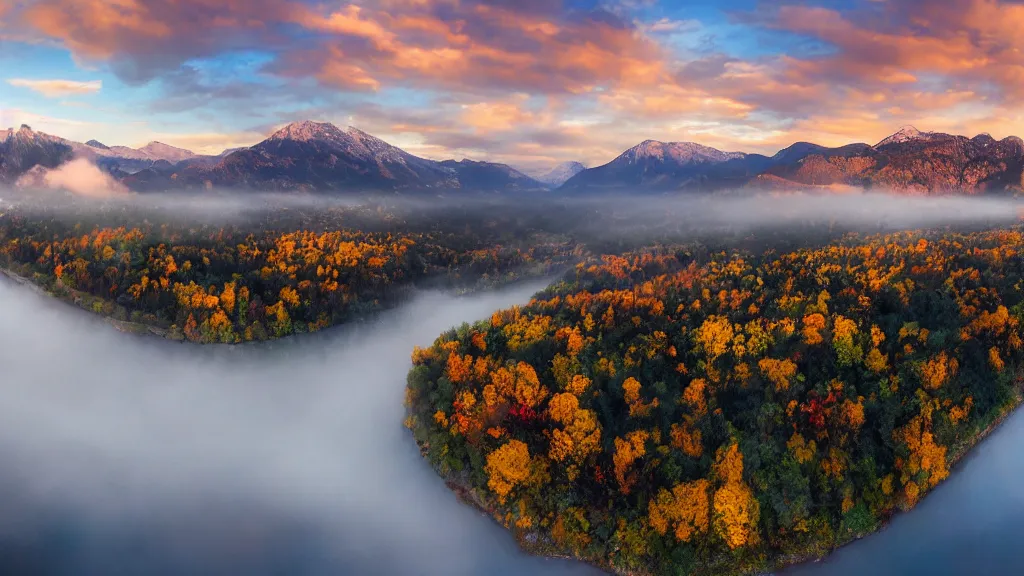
611 215
129 455
79 176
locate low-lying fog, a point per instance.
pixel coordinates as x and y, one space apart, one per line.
618 214
129 455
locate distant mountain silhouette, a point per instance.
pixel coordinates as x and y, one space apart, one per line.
915 162
321 157
473 175
160 151
561 173
909 161
653 165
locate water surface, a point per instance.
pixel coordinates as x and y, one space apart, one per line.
133 455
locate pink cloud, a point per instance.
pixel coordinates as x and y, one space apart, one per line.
478 46
958 40
468 45
952 65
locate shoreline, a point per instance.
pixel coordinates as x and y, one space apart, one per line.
965 449
466 495
76 299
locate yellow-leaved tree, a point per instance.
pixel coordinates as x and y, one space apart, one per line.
938 370
686 509
736 509
580 437
507 467
778 372
715 336
926 465
628 451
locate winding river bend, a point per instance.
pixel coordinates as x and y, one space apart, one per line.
129 455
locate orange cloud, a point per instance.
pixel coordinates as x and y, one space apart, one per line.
349 21
468 45
970 40
341 74
482 47
671 100
92 28
150 35
498 116
57 88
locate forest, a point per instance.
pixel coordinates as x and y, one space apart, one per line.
697 393
282 272
694 409
232 269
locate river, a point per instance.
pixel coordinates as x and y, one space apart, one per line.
132 455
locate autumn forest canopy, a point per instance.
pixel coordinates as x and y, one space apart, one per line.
709 386
685 410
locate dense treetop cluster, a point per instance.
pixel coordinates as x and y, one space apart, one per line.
682 410
217 283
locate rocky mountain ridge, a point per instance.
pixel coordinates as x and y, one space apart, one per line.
909 161
320 157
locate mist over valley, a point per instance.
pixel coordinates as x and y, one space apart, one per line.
477 287
131 455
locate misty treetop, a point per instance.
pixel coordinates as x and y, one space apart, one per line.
231 283
229 268
695 411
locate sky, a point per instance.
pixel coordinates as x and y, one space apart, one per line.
526 82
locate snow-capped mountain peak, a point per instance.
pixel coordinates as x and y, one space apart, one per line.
559 174
904 134
308 130
25 134
160 151
349 140
677 152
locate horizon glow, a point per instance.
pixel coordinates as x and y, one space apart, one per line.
528 83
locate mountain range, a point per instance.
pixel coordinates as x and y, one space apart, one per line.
320 157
